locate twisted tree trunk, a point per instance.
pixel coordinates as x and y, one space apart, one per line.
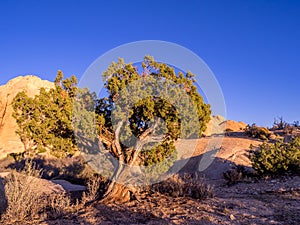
117 193
119 190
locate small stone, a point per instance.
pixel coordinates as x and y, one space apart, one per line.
232 217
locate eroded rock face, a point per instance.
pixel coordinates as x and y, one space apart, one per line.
214 125
9 140
234 125
218 125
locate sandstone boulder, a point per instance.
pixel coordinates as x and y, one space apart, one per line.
9 140
218 125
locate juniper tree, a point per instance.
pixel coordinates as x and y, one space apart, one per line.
45 120
145 112
137 123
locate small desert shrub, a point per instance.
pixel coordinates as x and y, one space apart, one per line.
277 158
279 124
236 174
95 189
26 201
296 124
257 132
58 205
184 186
289 129
22 199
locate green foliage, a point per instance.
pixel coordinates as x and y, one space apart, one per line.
257 132
45 121
119 75
141 114
83 108
278 157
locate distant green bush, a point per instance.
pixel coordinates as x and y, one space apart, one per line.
257 132
277 158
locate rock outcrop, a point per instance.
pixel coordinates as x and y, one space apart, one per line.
218 125
9 140
214 125
234 126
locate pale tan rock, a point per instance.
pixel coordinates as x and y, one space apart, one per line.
233 125
218 125
9 140
67 186
42 185
214 125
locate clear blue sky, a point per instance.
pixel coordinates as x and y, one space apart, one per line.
253 47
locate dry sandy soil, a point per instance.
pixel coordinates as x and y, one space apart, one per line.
265 202
253 201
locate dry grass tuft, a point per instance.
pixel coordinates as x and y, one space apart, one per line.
93 189
185 186
238 174
23 201
58 205
26 202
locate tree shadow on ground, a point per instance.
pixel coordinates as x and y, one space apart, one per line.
208 165
111 214
69 169
134 215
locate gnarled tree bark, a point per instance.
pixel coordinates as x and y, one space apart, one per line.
119 190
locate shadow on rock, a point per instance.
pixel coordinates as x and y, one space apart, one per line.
3 200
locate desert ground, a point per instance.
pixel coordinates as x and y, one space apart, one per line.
248 201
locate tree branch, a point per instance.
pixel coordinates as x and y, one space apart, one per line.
149 130
145 138
116 141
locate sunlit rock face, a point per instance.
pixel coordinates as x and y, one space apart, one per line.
218 125
9 140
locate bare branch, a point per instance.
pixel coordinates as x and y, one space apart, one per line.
149 130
